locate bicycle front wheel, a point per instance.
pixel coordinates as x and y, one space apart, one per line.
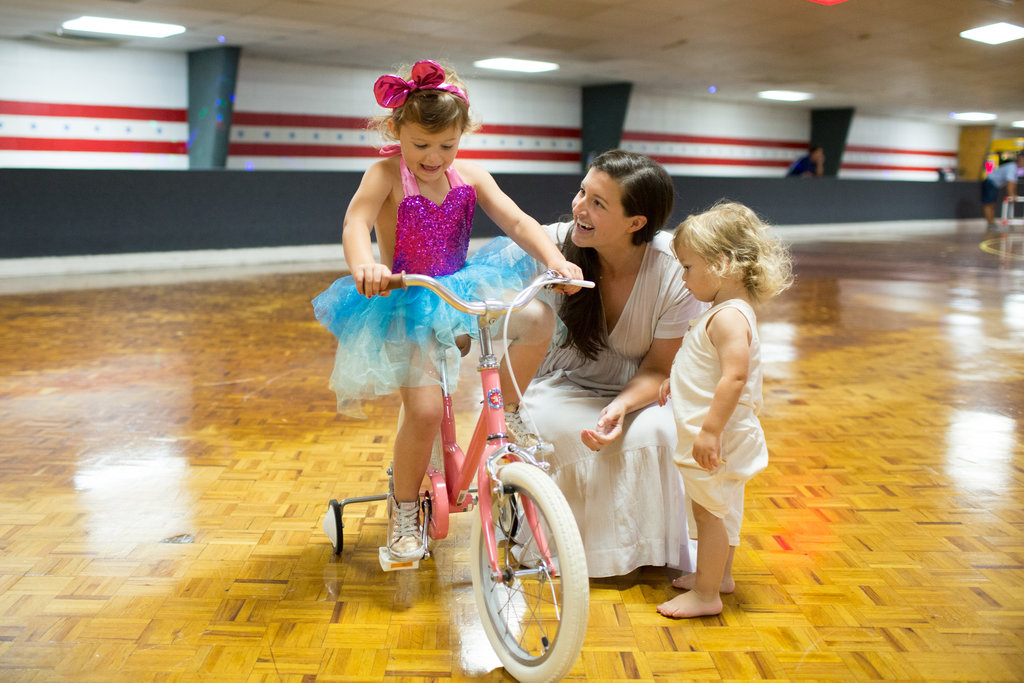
536 617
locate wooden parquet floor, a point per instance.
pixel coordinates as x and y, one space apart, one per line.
167 452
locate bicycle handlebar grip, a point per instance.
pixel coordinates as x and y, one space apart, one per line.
396 281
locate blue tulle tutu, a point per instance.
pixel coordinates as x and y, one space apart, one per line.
399 340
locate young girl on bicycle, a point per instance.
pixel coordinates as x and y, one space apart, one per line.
730 260
420 202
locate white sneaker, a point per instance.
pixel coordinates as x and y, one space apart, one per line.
521 435
405 535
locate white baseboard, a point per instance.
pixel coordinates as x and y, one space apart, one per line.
878 230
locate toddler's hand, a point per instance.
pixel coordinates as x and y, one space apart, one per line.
707 450
664 391
371 279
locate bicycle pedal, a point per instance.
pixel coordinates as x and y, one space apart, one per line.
390 565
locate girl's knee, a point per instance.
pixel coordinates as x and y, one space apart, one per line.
533 324
422 408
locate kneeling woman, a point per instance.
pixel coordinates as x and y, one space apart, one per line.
595 396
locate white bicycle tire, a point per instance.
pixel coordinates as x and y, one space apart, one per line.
494 599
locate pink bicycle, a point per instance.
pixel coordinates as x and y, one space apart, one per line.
529 570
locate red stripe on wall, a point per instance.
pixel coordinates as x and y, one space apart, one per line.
519 155
634 136
69 145
531 131
251 118
881 167
91 111
713 161
889 150
256 149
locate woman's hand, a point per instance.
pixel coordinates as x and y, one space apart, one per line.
609 427
568 269
371 279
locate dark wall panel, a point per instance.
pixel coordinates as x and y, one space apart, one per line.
59 213
604 117
70 212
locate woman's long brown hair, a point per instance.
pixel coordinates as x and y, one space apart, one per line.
647 191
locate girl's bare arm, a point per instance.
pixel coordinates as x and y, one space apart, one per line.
369 275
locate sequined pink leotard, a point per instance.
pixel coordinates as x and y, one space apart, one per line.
400 340
431 239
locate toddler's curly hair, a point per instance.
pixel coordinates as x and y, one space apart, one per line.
733 239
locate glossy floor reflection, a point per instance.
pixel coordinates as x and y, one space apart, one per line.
169 448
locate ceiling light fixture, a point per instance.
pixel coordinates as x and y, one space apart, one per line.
122 27
972 116
785 95
509 64
994 34
1018 124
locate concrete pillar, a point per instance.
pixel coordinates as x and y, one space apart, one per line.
212 75
604 115
829 129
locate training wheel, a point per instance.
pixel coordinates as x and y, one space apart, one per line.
333 526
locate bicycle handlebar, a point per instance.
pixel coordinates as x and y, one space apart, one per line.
546 279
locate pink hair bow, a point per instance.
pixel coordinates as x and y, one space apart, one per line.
392 91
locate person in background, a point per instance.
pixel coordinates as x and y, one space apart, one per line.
810 165
1003 178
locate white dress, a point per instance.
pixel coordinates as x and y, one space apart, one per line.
627 497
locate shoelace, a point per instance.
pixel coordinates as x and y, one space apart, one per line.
514 423
405 522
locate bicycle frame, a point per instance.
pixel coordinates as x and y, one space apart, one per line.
488 446
527 559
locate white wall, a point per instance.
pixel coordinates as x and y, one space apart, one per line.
92 108
713 137
312 117
117 108
892 149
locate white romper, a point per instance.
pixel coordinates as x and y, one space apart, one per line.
696 371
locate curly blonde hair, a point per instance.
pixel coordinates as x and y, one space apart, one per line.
733 240
435 110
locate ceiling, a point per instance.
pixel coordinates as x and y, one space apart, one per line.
901 58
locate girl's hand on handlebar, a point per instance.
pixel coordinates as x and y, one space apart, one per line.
371 279
567 269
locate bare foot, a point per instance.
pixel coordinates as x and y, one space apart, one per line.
690 605
688 581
